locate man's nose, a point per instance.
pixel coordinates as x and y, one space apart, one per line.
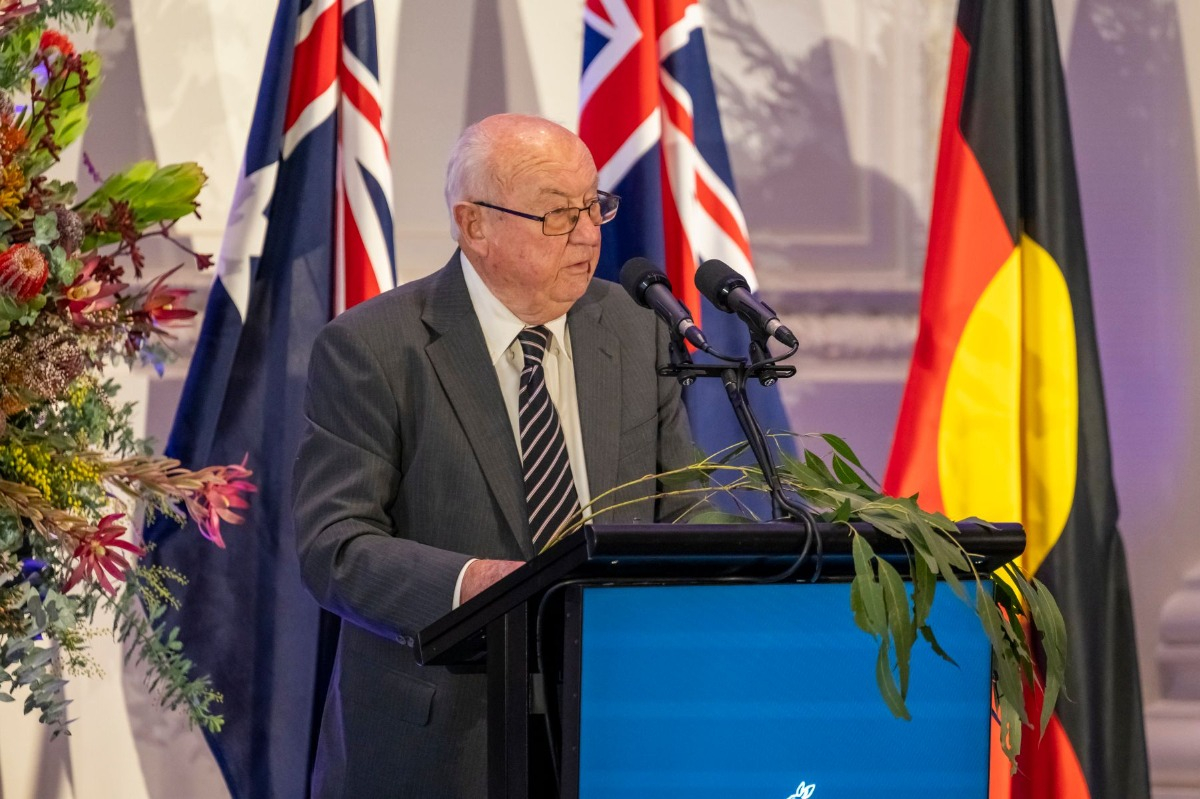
586 231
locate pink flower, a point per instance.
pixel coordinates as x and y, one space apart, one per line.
88 294
99 555
222 492
161 301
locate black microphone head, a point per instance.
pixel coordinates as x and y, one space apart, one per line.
715 279
639 274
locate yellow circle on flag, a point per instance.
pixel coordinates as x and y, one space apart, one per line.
1008 437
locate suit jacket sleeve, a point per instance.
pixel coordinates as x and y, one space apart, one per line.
345 480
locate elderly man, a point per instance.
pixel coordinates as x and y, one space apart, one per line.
452 425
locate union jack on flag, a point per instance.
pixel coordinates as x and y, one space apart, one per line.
309 235
648 112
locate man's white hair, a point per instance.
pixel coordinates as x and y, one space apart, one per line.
472 173
469 174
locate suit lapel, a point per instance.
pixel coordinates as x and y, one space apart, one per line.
458 354
597 358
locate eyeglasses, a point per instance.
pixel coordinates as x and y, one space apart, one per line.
562 221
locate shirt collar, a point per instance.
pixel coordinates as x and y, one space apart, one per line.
500 325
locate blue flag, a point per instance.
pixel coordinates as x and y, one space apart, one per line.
310 234
648 112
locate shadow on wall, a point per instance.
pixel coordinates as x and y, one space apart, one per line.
817 217
1132 123
810 208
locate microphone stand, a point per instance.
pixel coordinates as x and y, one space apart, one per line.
734 373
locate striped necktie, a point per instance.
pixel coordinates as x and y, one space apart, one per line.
549 486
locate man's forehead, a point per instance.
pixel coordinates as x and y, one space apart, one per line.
553 191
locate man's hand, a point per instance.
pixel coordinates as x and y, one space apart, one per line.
482 573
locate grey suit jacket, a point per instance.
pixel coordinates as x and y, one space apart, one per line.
408 468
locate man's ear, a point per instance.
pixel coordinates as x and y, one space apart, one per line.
469 219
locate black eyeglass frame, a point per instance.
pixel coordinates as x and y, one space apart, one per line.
600 196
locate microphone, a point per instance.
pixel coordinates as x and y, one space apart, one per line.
650 288
730 292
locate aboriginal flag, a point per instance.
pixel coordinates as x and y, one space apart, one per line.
1003 415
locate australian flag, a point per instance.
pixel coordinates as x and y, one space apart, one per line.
648 112
310 234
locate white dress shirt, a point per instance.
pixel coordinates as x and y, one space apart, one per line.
500 329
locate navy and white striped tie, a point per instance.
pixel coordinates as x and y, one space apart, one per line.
549 486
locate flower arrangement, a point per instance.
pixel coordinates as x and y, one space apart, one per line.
71 310
1018 615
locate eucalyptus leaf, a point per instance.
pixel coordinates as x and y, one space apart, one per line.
730 453
883 523
1048 620
818 467
900 626
924 583
716 517
685 478
848 476
870 592
1010 731
839 446
887 683
931 639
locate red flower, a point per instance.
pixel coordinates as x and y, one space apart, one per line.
56 40
23 271
99 555
222 492
161 300
88 294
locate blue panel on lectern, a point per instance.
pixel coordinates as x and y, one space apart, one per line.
749 691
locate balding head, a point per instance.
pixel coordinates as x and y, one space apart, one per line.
524 167
487 153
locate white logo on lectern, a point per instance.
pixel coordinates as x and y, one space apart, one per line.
804 791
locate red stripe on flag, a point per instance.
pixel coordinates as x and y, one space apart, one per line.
597 8
678 115
1047 767
628 95
314 63
968 243
721 214
680 263
668 13
365 102
360 277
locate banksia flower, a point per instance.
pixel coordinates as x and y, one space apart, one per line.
56 40
23 271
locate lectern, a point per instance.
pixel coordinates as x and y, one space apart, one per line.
695 661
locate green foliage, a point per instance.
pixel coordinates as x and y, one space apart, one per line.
841 491
150 641
16 56
59 113
27 658
15 312
20 42
153 194
68 451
